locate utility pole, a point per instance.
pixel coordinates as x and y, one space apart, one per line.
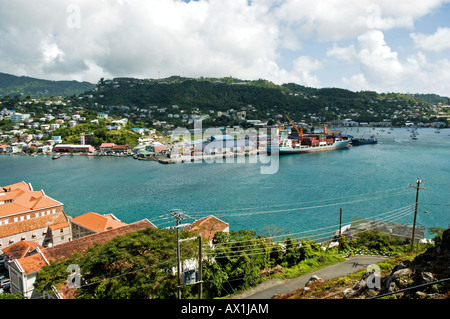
200 268
340 227
178 216
415 211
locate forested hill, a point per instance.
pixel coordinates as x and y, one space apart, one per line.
261 99
11 85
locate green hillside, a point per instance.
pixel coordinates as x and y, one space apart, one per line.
22 85
260 99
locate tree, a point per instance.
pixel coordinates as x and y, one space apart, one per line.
437 232
135 266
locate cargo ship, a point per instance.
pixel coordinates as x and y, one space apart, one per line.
308 143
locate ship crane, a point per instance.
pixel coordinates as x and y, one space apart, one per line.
300 132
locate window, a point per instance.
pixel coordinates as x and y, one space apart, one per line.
22 218
53 211
28 216
61 230
16 219
36 215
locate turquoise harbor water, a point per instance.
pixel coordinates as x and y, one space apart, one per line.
303 197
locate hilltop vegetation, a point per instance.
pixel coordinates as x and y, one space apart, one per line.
139 264
11 85
165 104
261 99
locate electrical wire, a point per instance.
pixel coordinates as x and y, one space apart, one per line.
298 203
402 212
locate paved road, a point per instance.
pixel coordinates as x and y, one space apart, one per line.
272 287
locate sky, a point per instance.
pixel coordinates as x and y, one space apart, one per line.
380 45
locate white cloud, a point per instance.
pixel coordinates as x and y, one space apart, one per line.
343 53
438 41
152 38
342 19
383 70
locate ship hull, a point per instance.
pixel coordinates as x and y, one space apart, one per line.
357 142
310 149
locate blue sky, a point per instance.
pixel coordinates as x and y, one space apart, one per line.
381 45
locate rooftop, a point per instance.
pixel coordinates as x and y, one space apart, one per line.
64 251
20 197
96 222
208 227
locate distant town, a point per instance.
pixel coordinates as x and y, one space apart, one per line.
33 126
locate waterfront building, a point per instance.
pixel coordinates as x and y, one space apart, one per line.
31 215
106 147
120 149
93 223
156 147
74 148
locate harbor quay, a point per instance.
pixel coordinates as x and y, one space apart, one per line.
235 146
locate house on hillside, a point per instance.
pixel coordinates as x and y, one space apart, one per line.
401 231
208 227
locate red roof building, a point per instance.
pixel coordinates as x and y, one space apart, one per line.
208 227
31 215
23 270
93 223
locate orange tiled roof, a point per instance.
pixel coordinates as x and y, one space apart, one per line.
106 145
66 250
20 249
97 222
208 226
24 199
33 224
32 263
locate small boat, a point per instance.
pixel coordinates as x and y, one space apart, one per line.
56 156
413 136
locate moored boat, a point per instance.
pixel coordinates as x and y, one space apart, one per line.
56 156
309 143
363 141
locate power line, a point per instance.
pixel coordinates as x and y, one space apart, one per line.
393 214
220 254
304 202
